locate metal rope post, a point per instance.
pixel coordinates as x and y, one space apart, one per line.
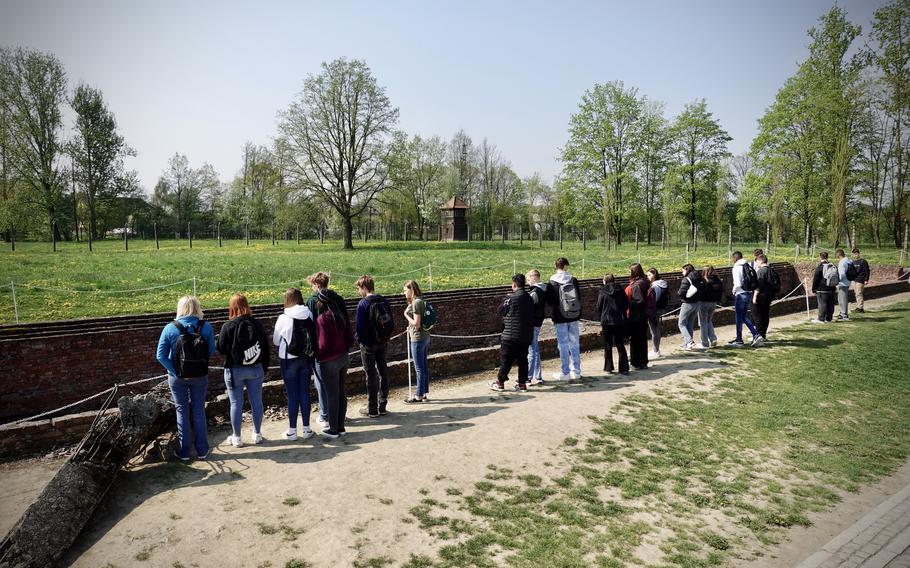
806 290
194 285
12 286
430 268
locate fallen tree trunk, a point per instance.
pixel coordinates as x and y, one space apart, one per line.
52 522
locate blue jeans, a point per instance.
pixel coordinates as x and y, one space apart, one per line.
321 397
235 378
189 398
569 346
688 312
419 353
534 371
296 375
743 303
706 322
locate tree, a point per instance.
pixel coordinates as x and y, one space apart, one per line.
180 190
336 136
653 160
604 142
98 151
700 144
32 89
417 168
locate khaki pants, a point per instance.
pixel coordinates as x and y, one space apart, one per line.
858 288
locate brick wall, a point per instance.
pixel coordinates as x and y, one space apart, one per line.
51 364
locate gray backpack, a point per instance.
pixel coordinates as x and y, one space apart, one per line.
569 305
829 273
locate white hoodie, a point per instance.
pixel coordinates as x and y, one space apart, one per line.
738 276
561 277
284 327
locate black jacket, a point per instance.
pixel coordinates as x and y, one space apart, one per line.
712 289
612 305
637 293
818 281
229 336
863 272
517 313
692 280
539 297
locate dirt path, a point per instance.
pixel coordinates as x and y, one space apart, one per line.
334 504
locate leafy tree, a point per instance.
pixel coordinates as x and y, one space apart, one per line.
181 188
336 135
417 168
653 161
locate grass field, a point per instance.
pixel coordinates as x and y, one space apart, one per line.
713 468
75 283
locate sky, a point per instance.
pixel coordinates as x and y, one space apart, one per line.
201 78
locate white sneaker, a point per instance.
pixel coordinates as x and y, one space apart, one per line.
290 435
307 433
573 376
698 347
257 438
713 343
235 441
816 320
758 341
654 355
560 377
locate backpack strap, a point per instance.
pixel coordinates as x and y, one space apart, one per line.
180 327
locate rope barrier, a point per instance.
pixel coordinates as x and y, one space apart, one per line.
464 336
67 290
242 286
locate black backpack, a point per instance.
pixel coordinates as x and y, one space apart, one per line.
382 323
303 338
852 271
773 282
247 348
191 352
750 278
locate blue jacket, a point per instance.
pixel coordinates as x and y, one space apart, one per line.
168 341
842 272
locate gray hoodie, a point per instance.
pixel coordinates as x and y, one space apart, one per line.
284 327
659 288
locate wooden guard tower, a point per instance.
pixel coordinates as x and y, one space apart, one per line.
454 220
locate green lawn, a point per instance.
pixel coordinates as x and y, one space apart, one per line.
263 271
702 472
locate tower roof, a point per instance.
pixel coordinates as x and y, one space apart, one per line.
455 203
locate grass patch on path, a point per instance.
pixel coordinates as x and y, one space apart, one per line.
693 477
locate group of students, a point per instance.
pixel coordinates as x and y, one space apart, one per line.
313 338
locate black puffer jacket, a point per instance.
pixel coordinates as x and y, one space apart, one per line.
517 313
693 279
612 304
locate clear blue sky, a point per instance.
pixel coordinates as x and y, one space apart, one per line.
201 78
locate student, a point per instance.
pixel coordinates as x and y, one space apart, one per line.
613 307
318 282
565 298
517 313
538 293
420 340
245 347
744 282
843 285
187 373
637 294
334 338
712 292
863 273
659 296
373 323
295 337
763 295
690 296
824 283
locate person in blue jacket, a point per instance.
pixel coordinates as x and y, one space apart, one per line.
188 392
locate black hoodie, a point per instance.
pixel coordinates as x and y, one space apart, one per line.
233 337
612 304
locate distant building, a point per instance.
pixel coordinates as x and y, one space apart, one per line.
454 220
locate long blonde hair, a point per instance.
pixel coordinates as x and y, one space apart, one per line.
189 306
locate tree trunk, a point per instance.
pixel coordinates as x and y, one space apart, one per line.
348 232
52 522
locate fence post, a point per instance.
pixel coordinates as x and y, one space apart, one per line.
514 267
219 234
539 237
430 278
582 268
126 238
729 239
806 290
12 286
189 236
797 253
154 228
636 237
687 253
298 232
584 240
194 285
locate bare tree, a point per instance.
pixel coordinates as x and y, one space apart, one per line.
335 137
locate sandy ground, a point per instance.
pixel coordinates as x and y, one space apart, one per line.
354 494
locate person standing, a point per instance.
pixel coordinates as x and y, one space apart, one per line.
295 337
243 343
843 285
318 282
824 284
538 293
659 296
744 282
712 292
690 296
517 313
863 273
419 338
565 297
184 349
613 307
767 288
373 325
334 338
637 294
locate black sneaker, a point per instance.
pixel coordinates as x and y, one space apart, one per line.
521 387
413 400
368 413
736 343
330 434
859 310
382 410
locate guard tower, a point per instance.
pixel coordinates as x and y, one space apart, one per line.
454 220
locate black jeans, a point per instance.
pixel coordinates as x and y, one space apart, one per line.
614 335
333 375
513 352
761 314
638 343
825 305
374 358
